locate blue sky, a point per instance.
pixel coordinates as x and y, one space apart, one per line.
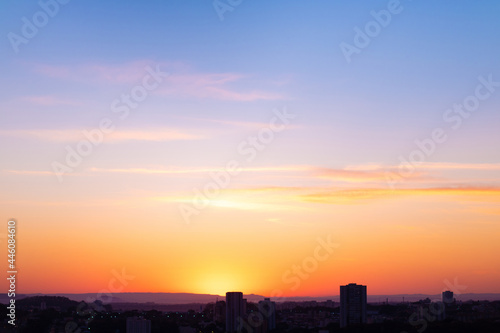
354 120
393 92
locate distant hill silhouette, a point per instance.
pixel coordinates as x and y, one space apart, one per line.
62 303
187 298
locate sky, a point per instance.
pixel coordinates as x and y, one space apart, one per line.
282 148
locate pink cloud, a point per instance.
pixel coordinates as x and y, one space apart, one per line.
68 135
361 175
127 73
213 86
48 100
182 82
199 170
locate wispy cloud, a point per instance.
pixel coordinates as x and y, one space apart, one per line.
359 175
220 86
273 197
183 81
292 198
48 100
229 203
428 166
423 173
73 135
126 73
491 210
153 135
311 184
343 196
241 199
348 178
198 170
30 172
236 124
461 166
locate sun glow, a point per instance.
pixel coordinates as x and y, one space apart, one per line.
219 284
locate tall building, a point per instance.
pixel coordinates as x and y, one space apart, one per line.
268 311
235 311
352 305
220 311
447 297
138 325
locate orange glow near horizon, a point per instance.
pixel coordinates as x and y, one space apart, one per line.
182 147
413 253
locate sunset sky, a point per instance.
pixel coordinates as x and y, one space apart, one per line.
391 152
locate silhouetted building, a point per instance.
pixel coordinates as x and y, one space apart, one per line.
433 311
439 310
447 297
220 311
352 305
268 311
235 311
138 325
330 304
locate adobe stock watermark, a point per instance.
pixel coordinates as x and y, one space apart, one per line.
223 6
454 117
88 308
31 27
294 276
436 310
249 149
302 271
373 28
95 137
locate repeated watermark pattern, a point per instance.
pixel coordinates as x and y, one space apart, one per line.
95 137
249 148
454 118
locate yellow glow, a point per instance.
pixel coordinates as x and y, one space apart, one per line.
218 284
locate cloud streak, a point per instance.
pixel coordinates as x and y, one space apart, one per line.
48 100
428 166
343 196
356 176
199 170
183 82
73 135
127 73
219 86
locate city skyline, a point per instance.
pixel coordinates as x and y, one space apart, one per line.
261 316
279 148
